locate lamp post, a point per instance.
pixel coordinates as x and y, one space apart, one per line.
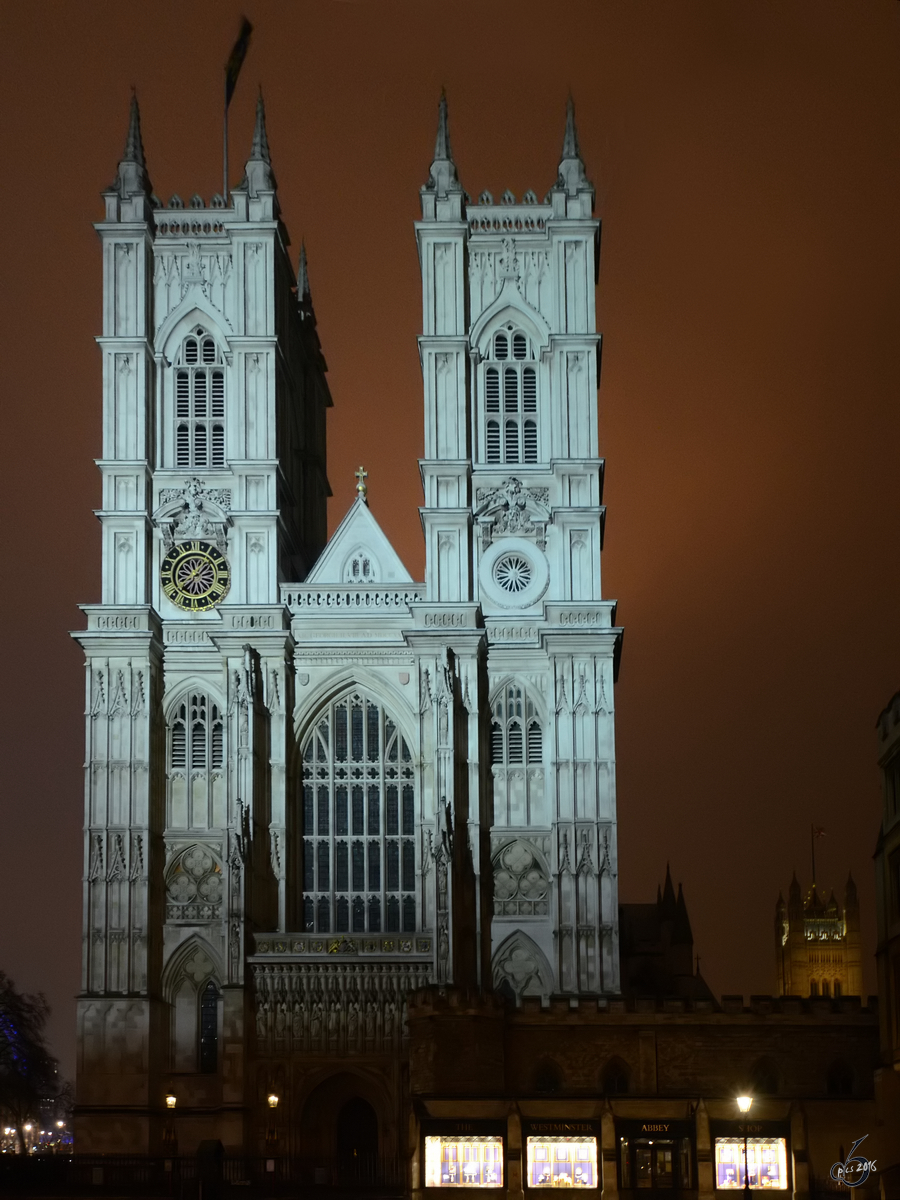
271 1128
744 1103
170 1141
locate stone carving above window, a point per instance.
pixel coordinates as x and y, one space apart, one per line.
194 511
194 886
513 509
521 885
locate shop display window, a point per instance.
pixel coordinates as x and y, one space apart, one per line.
452 1161
763 1159
562 1162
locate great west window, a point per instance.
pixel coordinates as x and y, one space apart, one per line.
359 857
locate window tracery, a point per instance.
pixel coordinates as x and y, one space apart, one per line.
359 861
199 403
510 398
516 735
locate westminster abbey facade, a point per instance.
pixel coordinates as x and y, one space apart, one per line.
350 858
313 784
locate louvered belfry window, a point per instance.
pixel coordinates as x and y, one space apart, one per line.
200 403
196 737
516 735
359 812
511 399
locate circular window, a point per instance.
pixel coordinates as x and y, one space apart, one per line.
513 573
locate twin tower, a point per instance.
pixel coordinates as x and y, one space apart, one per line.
312 784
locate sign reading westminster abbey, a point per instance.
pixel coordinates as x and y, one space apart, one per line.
314 785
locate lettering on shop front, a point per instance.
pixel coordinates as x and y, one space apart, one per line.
654 1128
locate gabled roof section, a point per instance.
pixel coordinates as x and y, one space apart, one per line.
360 540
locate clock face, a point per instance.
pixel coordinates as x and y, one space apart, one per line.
195 576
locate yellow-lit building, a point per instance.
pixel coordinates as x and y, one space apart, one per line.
817 944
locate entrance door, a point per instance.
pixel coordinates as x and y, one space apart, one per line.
357 1141
655 1164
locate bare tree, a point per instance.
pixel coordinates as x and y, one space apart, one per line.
28 1071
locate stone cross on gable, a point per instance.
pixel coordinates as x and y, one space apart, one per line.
361 477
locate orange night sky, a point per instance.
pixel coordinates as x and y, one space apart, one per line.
745 156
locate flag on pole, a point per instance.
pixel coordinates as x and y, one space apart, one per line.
236 60
817 832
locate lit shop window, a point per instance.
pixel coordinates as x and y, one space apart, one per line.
764 1159
562 1162
464 1162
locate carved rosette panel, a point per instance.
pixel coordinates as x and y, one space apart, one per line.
521 885
194 886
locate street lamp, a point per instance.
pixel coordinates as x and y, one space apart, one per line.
744 1103
271 1129
170 1141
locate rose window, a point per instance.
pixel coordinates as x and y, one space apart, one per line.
513 573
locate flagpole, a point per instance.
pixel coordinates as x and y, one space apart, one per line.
812 851
225 157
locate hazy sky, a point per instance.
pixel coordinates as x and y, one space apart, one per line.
746 166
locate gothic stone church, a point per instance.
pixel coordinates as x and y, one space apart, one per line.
315 785
350 839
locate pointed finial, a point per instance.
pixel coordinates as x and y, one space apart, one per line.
134 146
258 174
302 274
132 178
442 141
572 177
442 177
570 139
260 148
362 491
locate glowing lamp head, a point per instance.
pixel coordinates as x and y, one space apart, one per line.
28 1128
744 1102
171 1100
60 1124
273 1100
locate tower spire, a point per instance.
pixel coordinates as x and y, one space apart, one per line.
442 177
258 174
572 177
132 179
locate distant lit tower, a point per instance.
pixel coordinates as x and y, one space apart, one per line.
817 946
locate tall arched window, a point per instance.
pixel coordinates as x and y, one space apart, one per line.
199 403
359 857
196 764
516 735
197 736
511 399
209 1029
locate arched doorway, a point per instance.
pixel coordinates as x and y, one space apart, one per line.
357 1140
341 1132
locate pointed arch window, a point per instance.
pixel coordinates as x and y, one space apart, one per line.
209 1029
197 736
359 859
516 733
510 391
199 402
